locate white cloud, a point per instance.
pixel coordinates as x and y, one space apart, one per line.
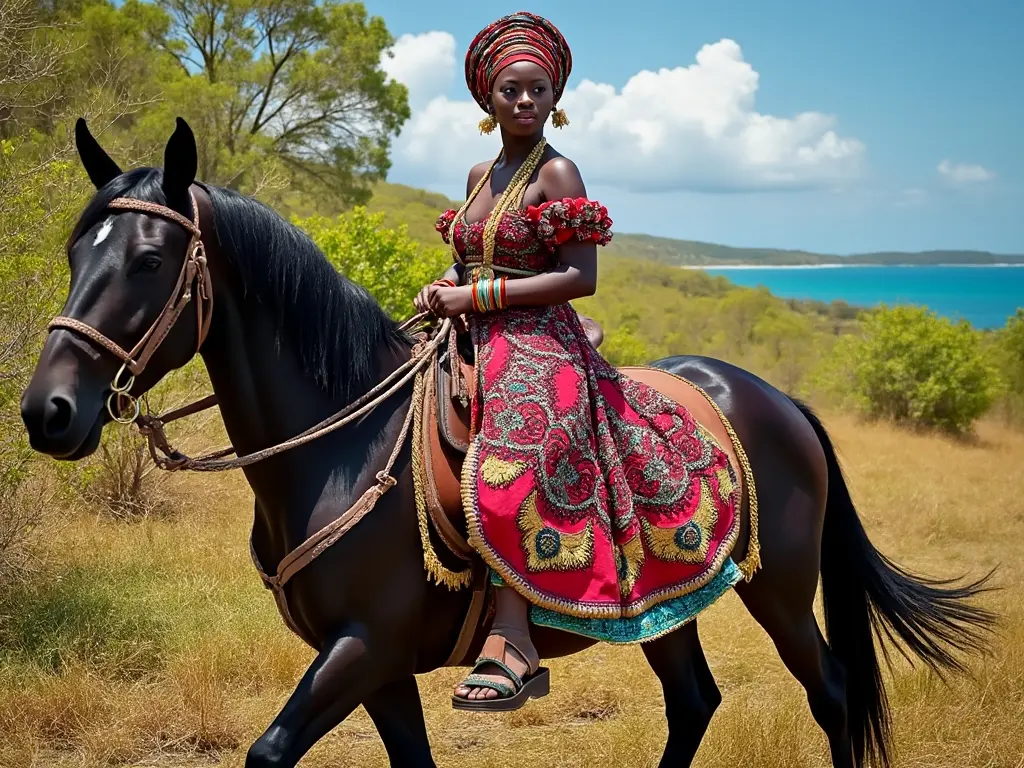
424 63
692 127
965 173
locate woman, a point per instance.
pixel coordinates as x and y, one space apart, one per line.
599 505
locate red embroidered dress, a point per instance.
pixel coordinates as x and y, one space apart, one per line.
593 495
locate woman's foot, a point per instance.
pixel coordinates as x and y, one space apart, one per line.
516 657
508 670
505 677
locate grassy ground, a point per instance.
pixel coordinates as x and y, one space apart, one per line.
153 644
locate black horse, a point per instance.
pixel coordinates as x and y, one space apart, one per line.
292 342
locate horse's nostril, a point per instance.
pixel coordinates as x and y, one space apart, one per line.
59 414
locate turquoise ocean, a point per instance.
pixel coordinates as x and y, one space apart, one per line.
983 295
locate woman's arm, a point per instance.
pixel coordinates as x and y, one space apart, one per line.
576 273
574 277
456 271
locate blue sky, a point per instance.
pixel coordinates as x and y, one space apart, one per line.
906 85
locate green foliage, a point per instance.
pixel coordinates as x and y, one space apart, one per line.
1011 350
621 346
284 97
1007 349
387 262
914 367
290 90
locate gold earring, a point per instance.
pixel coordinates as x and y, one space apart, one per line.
559 119
488 124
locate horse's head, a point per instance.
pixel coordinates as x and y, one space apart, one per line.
135 265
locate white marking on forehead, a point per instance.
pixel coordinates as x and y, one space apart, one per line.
104 230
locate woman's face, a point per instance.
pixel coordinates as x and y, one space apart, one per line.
522 98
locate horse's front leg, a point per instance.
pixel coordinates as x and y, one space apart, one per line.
336 683
396 710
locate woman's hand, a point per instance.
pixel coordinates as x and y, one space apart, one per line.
421 302
445 301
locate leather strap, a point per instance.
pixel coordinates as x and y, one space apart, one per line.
193 270
327 536
471 622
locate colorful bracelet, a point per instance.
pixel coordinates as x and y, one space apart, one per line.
489 294
474 288
481 289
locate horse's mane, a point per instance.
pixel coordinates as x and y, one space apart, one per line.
335 326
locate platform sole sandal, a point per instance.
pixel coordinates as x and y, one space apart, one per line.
535 686
513 691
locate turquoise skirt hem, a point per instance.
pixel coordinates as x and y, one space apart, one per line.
649 625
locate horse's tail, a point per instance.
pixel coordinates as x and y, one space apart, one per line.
866 594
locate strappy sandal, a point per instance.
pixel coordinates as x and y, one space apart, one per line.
535 684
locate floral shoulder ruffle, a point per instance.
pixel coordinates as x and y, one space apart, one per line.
554 222
558 221
444 223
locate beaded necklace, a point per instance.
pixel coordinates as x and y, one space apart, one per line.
511 198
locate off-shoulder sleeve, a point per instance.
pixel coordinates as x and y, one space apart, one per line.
444 223
558 221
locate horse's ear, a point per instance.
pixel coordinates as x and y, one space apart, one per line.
96 161
180 162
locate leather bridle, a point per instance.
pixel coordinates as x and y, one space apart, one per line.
193 270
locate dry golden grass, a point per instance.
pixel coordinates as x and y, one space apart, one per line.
153 644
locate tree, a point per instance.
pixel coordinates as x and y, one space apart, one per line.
788 342
284 86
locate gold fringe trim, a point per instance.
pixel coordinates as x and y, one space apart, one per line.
436 570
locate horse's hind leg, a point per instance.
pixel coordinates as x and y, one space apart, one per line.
398 714
691 695
784 608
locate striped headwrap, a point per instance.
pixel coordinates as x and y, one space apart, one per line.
519 36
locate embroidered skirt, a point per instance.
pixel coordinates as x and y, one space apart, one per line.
600 500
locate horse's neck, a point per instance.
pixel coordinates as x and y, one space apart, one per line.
265 399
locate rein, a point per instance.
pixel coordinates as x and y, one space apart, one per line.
153 426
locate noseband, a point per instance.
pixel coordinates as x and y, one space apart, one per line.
192 270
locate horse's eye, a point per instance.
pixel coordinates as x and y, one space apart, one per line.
149 264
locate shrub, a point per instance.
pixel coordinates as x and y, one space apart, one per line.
119 481
387 262
1008 351
622 347
916 368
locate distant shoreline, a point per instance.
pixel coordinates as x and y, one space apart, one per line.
843 266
